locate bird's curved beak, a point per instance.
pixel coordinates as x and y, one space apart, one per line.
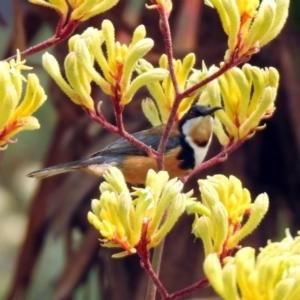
211 110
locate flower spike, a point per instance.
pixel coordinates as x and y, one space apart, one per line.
131 220
157 110
15 114
219 218
250 24
117 66
78 10
273 274
247 95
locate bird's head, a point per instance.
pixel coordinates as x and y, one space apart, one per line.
198 121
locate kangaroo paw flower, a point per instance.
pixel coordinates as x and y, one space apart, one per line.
247 95
273 274
141 218
16 110
219 219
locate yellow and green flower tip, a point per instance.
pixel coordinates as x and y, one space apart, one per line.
157 109
16 109
139 218
273 274
79 10
83 10
219 217
117 65
247 95
250 24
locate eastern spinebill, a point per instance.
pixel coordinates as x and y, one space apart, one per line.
187 146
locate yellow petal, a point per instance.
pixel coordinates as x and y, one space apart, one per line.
150 111
33 99
7 105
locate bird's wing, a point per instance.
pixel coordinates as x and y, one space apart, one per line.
150 137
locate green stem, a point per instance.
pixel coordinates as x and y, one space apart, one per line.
156 262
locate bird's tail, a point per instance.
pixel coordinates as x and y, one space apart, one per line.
61 168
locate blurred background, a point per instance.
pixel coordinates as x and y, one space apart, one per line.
47 248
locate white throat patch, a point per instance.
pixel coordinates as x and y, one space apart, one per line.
188 128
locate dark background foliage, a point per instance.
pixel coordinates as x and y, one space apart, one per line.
48 250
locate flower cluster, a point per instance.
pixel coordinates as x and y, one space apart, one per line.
218 219
138 219
273 274
157 110
15 114
250 24
79 10
117 66
247 95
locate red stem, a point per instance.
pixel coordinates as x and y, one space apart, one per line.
60 24
200 284
146 264
166 32
118 108
186 291
99 118
59 36
144 255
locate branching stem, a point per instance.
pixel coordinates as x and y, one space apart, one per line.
100 119
60 35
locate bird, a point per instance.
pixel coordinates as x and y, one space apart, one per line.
186 148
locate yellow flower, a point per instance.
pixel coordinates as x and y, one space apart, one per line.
157 110
247 95
138 219
273 274
82 10
15 114
224 205
79 10
116 66
250 24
